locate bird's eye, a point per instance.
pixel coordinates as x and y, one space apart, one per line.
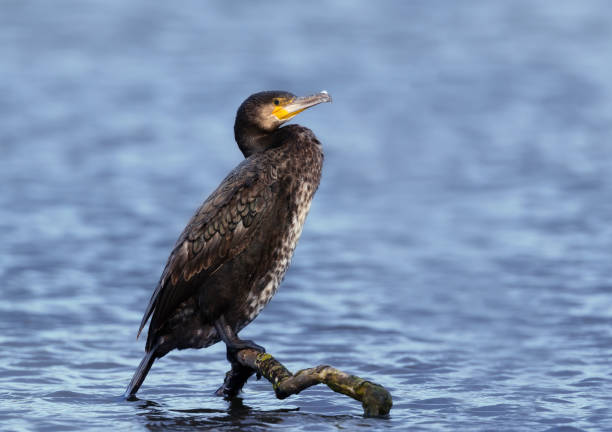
276 102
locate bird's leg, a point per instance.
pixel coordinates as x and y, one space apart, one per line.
232 341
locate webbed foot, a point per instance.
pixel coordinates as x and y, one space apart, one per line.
240 344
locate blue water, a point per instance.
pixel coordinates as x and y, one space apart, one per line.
458 250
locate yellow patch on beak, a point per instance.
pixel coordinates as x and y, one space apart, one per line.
282 114
288 108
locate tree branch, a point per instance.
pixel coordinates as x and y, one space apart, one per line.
375 399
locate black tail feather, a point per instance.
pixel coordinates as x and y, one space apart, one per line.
141 373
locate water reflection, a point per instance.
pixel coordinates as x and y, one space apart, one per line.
237 416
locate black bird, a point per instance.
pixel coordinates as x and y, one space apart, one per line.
232 255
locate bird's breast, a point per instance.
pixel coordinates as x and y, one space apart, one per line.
298 174
283 248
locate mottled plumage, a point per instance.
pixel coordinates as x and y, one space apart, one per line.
235 250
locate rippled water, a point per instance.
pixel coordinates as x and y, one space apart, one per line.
457 252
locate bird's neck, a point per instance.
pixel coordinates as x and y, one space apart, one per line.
251 139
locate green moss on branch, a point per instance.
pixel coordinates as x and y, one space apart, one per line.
375 399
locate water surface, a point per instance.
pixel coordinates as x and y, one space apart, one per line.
457 252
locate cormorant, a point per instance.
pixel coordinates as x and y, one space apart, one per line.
232 255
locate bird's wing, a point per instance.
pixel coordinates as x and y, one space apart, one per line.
218 231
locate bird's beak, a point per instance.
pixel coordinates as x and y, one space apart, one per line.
299 104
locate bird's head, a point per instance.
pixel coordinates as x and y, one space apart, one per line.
263 112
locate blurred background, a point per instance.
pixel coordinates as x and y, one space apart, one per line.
457 251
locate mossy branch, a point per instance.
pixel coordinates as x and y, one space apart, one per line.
375 399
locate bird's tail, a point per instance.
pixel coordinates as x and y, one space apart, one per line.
141 372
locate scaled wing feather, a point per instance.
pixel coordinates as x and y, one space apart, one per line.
217 232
